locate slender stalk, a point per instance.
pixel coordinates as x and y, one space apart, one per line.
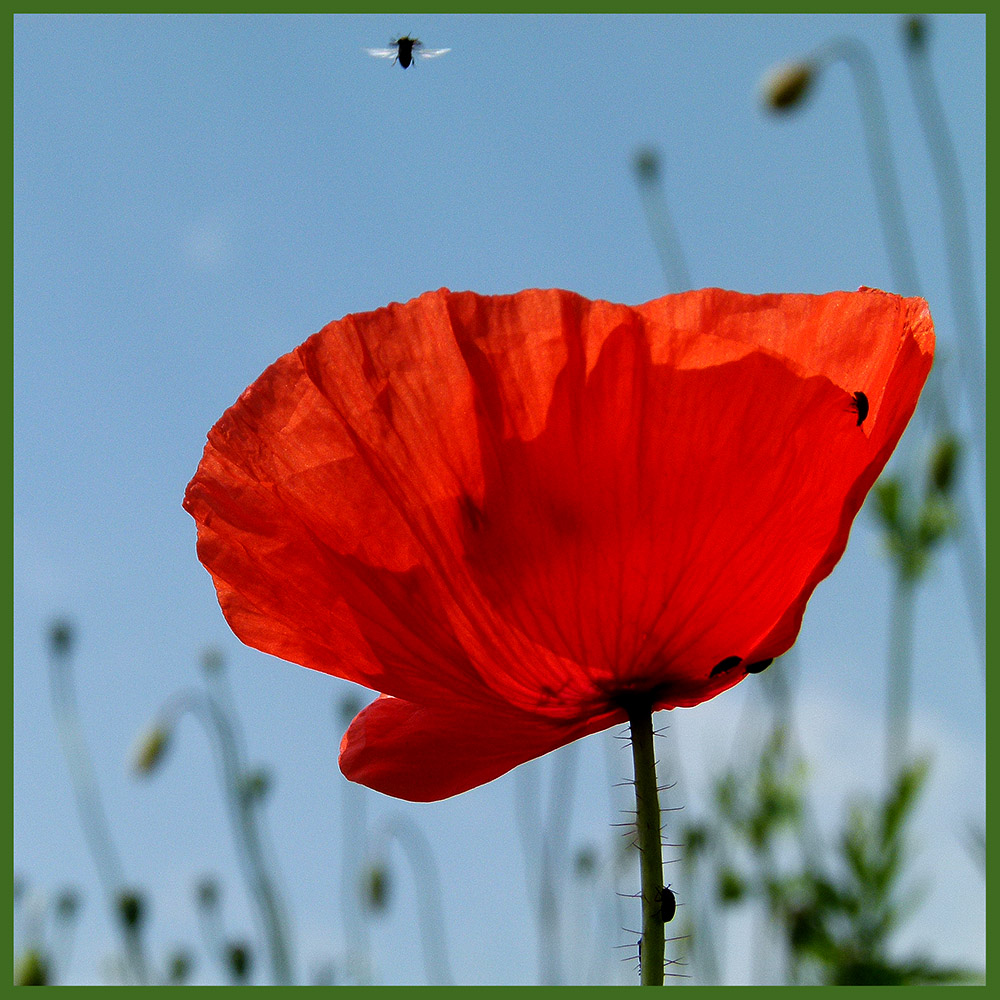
647 821
430 911
954 220
242 814
661 225
875 123
900 667
88 797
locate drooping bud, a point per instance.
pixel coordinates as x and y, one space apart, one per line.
67 904
376 888
31 969
61 636
944 464
731 887
131 910
179 967
647 165
206 893
255 785
785 87
585 863
915 32
212 660
240 960
149 749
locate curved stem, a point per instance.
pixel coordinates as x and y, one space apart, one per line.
89 806
647 821
429 908
242 815
954 220
662 229
875 123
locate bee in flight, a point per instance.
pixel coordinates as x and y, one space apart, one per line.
404 49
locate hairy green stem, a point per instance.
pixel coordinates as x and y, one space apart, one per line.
647 822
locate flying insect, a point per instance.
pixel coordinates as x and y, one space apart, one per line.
404 49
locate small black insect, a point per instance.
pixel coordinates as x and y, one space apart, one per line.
859 405
724 665
404 49
668 904
756 668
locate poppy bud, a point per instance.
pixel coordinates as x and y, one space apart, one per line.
915 32
31 969
67 904
937 518
131 910
731 887
888 494
61 637
207 893
647 165
240 960
786 86
149 749
255 785
943 464
586 862
376 888
179 967
212 660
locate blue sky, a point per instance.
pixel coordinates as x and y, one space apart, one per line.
195 195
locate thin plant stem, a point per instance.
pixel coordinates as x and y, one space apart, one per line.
553 845
242 812
430 911
900 667
661 226
90 807
902 262
647 805
955 224
875 124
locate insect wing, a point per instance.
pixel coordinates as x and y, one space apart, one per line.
383 53
431 53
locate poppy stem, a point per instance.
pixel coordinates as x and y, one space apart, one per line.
647 820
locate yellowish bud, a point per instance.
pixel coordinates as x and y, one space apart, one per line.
786 86
149 749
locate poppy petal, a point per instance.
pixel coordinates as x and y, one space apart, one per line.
539 504
424 754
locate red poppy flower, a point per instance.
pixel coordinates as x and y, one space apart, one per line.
510 514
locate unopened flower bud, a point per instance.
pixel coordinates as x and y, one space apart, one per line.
207 893
131 910
67 904
586 862
348 707
786 86
61 637
376 888
647 165
179 967
240 960
212 660
944 463
149 749
915 32
255 785
31 969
